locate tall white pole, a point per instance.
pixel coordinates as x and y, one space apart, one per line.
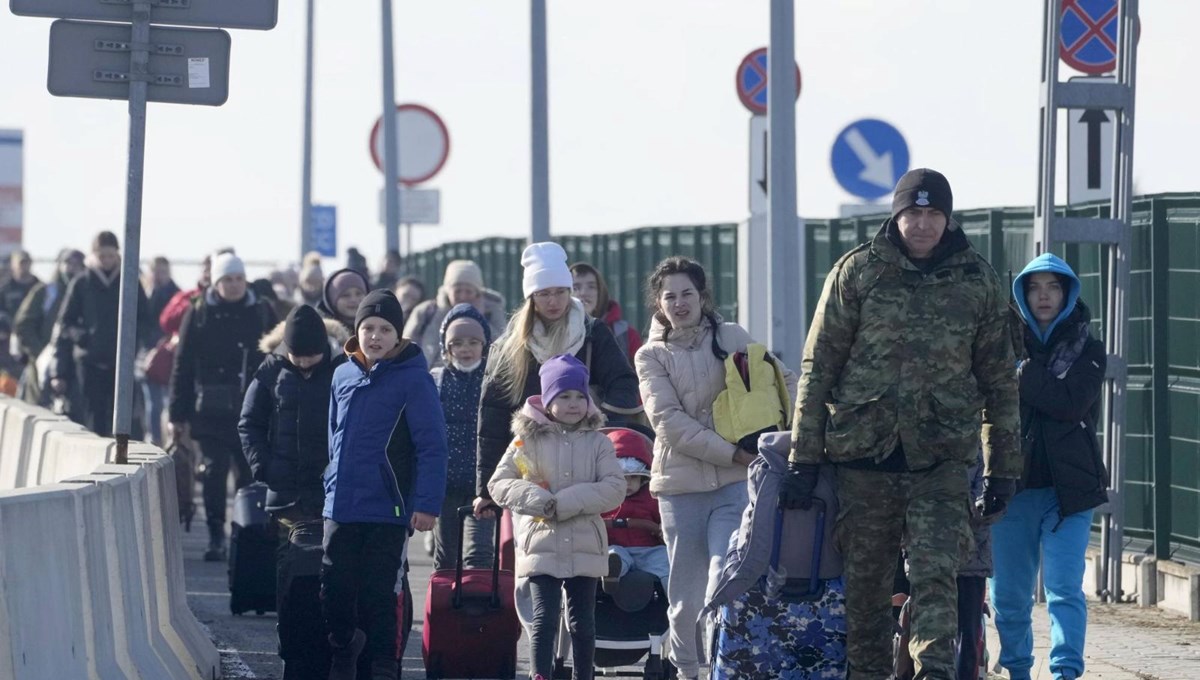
306 235
786 305
391 160
539 139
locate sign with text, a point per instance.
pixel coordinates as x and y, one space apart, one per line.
254 14
90 59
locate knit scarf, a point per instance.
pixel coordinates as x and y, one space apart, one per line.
1066 351
542 346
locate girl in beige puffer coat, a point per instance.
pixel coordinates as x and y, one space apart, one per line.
558 475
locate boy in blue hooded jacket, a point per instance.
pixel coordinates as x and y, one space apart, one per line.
387 473
1060 375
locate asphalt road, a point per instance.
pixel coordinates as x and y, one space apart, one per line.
248 643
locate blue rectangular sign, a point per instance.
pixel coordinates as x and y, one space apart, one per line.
324 230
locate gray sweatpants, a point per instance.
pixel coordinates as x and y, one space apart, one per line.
697 527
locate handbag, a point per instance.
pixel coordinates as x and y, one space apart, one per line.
157 363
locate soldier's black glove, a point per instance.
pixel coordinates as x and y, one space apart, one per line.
798 485
997 492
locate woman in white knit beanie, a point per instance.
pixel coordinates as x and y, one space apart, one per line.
550 322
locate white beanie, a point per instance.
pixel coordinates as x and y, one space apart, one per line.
462 272
226 264
545 267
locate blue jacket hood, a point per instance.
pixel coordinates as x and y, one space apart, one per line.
466 310
1046 262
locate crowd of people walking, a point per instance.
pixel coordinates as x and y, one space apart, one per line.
954 412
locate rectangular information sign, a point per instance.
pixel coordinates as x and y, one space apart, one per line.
255 14
187 65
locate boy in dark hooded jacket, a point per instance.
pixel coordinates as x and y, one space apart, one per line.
465 339
1061 377
387 473
286 442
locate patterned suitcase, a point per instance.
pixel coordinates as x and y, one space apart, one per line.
793 629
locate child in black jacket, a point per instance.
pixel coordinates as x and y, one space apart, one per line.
285 438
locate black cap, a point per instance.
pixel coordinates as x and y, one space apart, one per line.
383 304
923 187
304 332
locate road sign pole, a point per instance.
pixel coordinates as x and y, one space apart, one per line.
391 160
539 139
787 309
306 226
139 60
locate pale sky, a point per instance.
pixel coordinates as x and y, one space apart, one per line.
645 126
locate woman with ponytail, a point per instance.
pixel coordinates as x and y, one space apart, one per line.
698 476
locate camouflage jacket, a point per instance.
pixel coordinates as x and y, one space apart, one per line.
897 354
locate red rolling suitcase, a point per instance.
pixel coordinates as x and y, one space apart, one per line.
471 627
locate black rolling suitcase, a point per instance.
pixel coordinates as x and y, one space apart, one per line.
251 553
302 642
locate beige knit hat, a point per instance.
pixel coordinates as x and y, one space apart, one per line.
463 271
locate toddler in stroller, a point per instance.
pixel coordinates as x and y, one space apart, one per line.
631 609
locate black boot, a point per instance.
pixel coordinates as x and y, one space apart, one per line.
383 669
345 657
216 544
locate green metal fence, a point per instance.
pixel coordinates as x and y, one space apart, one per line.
625 258
1162 468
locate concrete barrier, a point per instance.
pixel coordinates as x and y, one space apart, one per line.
91 575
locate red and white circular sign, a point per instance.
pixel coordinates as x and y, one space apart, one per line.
422 141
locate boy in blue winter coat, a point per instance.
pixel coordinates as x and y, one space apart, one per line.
465 339
387 472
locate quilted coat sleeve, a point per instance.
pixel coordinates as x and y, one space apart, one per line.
602 495
686 435
509 490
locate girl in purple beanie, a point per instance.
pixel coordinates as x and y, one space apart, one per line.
557 476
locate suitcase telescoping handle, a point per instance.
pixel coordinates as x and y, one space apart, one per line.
464 512
814 577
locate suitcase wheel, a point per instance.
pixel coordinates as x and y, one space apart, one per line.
260 612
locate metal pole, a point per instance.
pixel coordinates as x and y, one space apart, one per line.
1043 209
786 305
539 139
139 60
391 160
306 181
408 248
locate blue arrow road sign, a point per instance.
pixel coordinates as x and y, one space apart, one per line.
324 228
868 157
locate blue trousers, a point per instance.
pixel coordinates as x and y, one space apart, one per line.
1030 525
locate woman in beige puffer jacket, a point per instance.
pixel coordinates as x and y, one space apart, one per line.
698 476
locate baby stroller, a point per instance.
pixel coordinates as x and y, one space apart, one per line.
631 624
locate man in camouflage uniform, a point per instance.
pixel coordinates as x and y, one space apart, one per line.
908 345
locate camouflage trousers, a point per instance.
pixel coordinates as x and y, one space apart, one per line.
880 512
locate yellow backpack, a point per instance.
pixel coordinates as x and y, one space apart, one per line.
741 410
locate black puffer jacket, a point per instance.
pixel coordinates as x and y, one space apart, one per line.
215 360
284 425
615 386
1058 418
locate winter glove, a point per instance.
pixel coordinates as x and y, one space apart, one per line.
798 486
997 492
